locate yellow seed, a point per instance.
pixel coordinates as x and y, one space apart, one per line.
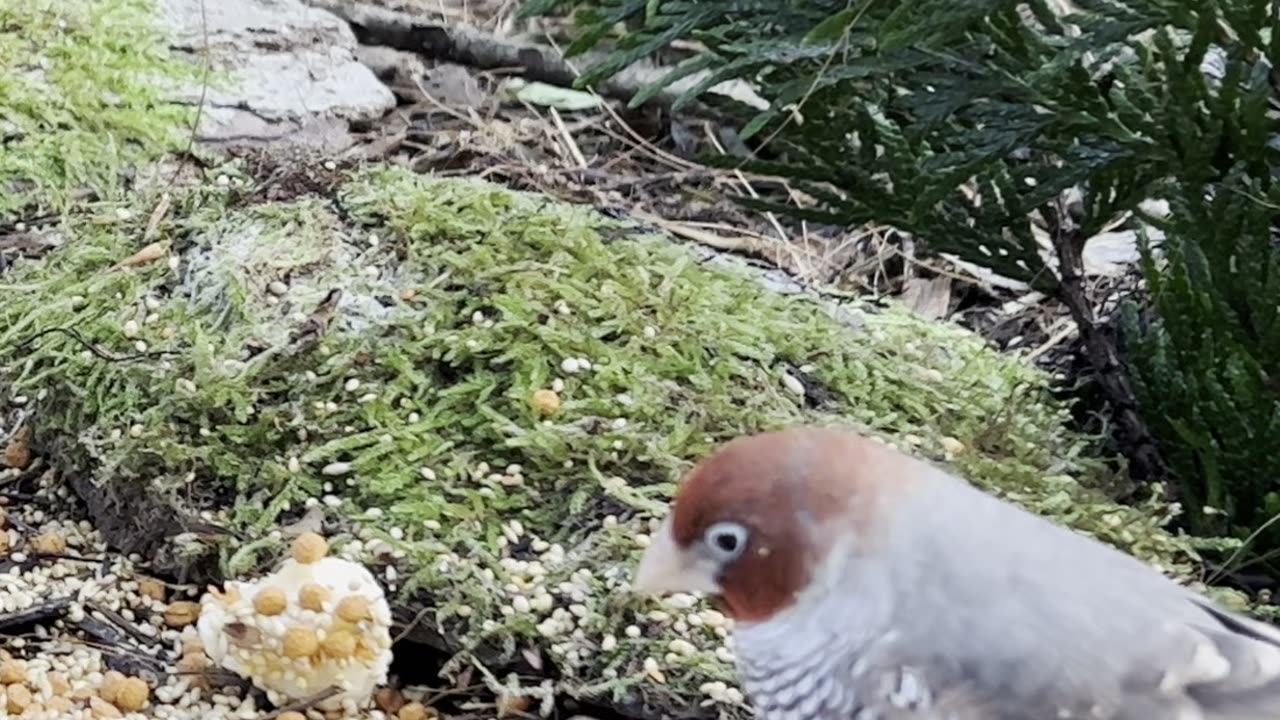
340 644
270 601
512 704
49 544
33 710
312 597
546 402
58 683
414 711
353 608
300 642
17 453
103 709
291 715
12 671
181 613
192 646
19 698
389 700
193 663
152 588
309 548
61 705
112 681
4 518
133 695
4 540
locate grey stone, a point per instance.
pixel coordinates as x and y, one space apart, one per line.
282 72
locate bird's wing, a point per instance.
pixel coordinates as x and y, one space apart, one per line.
1204 664
1224 668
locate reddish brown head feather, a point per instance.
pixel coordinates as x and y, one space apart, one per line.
791 489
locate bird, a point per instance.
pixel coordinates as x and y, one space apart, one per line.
868 584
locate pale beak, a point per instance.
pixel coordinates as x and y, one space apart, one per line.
666 568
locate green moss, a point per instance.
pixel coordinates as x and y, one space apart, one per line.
80 99
460 300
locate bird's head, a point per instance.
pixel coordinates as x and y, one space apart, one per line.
753 523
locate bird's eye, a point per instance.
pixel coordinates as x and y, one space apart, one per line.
727 539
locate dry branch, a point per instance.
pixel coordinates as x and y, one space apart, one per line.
1133 435
466 45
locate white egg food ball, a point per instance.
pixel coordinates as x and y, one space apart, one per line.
299 652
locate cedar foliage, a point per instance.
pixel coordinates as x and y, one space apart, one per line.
969 122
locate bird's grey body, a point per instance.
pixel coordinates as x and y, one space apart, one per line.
992 613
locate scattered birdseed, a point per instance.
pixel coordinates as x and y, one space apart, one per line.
307 617
54 674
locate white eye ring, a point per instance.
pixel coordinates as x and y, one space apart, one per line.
726 540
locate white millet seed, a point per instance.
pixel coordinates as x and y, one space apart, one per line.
793 385
336 468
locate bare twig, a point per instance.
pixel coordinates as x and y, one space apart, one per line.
468 45
45 612
574 150
79 338
1136 440
303 704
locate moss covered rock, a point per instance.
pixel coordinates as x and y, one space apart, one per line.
486 395
489 392
81 100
